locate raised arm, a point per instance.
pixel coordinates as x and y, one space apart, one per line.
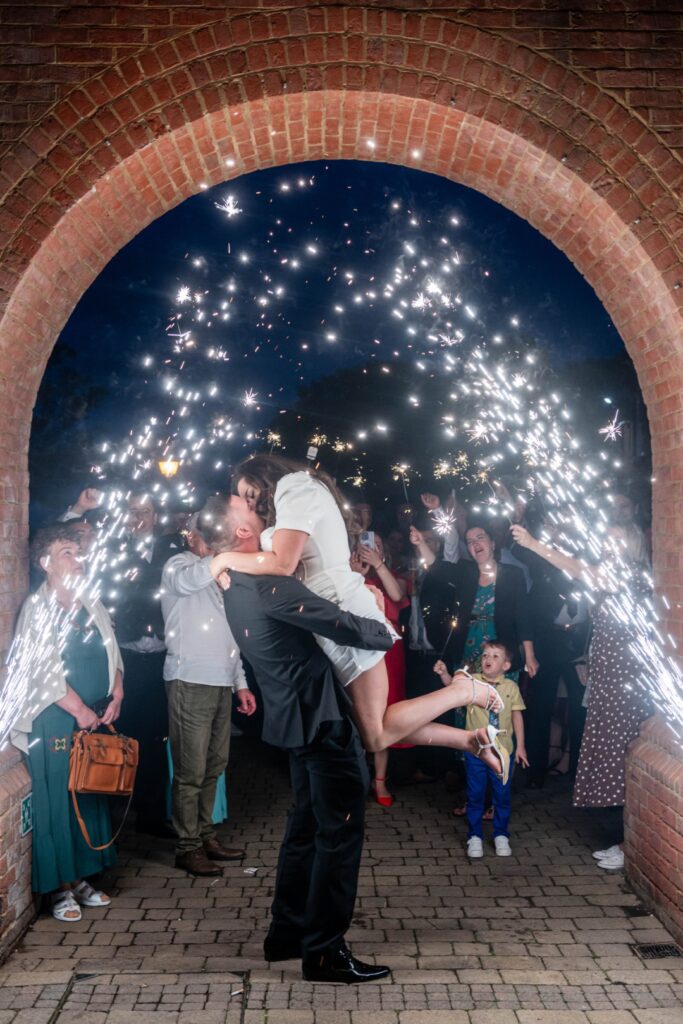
184 575
290 601
422 547
574 567
288 547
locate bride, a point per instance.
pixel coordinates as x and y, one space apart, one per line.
307 528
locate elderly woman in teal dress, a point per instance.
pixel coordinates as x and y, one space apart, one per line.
67 657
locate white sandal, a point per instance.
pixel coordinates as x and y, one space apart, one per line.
494 701
89 897
63 903
498 749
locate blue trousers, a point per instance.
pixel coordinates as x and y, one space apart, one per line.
478 774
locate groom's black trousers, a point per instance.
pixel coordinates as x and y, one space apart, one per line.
317 873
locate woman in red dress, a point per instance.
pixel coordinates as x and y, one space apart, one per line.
371 563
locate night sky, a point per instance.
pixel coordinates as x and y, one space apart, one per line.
125 311
319 232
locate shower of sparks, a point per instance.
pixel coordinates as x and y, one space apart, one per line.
478 432
612 430
497 401
229 206
449 340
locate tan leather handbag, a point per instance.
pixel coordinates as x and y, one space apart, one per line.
102 763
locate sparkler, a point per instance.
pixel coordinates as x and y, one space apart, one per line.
229 206
443 521
513 420
400 472
613 429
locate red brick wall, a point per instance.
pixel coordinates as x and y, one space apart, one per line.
16 904
654 822
631 49
112 114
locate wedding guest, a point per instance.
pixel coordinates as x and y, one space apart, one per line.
371 564
430 761
139 625
615 706
66 647
478 599
495 662
622 512
560 625
202 671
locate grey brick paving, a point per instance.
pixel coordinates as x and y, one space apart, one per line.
540 938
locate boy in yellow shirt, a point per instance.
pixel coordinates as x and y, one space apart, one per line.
495 662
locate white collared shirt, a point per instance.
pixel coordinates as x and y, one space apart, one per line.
200 647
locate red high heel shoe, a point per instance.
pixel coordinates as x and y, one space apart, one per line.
383 801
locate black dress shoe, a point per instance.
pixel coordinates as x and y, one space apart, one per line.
342 967
273 951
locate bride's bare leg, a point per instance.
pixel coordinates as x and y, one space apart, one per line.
380 726
437 735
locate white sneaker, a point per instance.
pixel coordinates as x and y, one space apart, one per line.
475 847
599 854
502 845
614 862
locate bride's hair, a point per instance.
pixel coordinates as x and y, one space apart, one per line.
264 471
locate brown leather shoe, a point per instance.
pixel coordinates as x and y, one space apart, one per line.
215 850
196 862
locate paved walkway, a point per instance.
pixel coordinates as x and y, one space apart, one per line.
544 936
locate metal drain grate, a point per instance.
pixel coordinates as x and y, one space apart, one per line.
657 950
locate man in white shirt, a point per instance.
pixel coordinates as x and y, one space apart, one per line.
202 670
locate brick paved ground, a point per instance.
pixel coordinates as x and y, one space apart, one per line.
541 937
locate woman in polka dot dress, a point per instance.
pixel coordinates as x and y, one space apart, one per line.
616 707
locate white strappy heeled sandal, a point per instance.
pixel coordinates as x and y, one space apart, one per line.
498 749
494 701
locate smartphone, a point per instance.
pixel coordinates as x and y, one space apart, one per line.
367 538
100 706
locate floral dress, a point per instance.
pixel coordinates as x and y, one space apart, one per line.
482 628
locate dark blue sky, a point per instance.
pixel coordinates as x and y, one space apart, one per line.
345 210
307 279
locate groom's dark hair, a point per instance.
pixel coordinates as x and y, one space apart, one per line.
215 523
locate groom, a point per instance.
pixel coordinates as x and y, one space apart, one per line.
273 619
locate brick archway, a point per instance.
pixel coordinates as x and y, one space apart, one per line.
267 89
134 139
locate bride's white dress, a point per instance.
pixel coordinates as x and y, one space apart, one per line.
304 503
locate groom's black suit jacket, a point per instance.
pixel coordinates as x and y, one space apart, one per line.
273 619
